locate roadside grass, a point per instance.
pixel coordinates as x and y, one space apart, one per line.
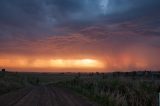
115 91
9 82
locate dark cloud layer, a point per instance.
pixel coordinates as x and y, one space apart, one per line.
91 27
49 13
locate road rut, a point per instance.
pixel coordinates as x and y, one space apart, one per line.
43 96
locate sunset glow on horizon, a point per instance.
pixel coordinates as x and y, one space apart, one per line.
51 64
70 64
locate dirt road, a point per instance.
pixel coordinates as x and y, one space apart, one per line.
43 96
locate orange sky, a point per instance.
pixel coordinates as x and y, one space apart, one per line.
22 63
123 62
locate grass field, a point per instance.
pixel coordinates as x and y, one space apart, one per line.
11 81
107 89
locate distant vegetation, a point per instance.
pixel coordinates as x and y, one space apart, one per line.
107 89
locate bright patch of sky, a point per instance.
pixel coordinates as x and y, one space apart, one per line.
104 6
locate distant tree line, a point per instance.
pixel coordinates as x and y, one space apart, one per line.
133 74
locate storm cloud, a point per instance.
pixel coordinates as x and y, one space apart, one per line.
105 28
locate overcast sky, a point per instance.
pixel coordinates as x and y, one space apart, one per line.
117 31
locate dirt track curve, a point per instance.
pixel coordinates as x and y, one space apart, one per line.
43 96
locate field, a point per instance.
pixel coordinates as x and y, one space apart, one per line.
105 89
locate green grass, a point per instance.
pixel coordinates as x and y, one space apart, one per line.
115 91
9 82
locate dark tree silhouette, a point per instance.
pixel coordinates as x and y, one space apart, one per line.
3 70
